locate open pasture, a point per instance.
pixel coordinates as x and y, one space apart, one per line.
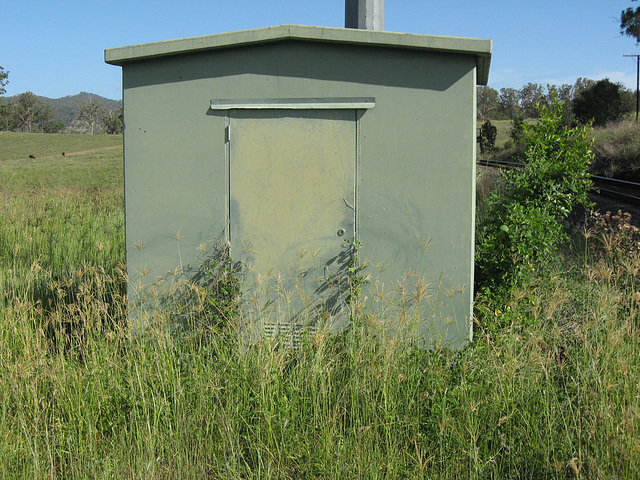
18 146
90 161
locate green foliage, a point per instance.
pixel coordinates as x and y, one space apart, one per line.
524 221
66 110
113 122
355 278
3 80
517 131
25 109
55 126
630 23
28 113
531 97
42 117
8 120
487 137
509 103
487 100
602 103
220 283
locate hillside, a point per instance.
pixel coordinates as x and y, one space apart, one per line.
66 109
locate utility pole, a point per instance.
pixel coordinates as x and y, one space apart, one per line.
637 83
364 14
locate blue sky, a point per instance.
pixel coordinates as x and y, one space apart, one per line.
55 48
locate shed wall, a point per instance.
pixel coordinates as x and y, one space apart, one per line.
416 171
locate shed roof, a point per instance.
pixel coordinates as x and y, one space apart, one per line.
479 48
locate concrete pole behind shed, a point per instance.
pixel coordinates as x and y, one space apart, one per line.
364 14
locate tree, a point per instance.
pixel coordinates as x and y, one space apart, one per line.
517 131
487 99
90 113
603 102
630 23
531 96
54 126
25 110
3 80
29 110
7 118
564 94
509 102
113 121
487 137
42 115
581 85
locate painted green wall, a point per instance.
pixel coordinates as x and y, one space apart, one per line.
416 170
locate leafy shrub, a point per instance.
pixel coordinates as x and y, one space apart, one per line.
523 224
517 131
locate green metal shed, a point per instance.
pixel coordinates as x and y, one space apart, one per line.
288 143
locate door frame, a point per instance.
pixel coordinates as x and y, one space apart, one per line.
359 104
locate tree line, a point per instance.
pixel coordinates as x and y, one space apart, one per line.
586 102
28 113
601 101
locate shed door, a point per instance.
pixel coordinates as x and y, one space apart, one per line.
292 201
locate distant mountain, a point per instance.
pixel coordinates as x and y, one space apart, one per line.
67 109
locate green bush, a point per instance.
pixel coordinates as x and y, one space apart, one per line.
517 131
523 222
602 103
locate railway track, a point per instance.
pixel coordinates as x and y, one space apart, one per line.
627 192
621 190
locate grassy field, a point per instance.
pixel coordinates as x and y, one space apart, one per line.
18 146
550 388
503 127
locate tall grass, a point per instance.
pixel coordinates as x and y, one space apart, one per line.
543 401
553 395
617 150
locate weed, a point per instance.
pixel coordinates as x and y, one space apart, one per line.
355 278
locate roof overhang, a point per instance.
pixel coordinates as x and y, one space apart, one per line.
478 48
